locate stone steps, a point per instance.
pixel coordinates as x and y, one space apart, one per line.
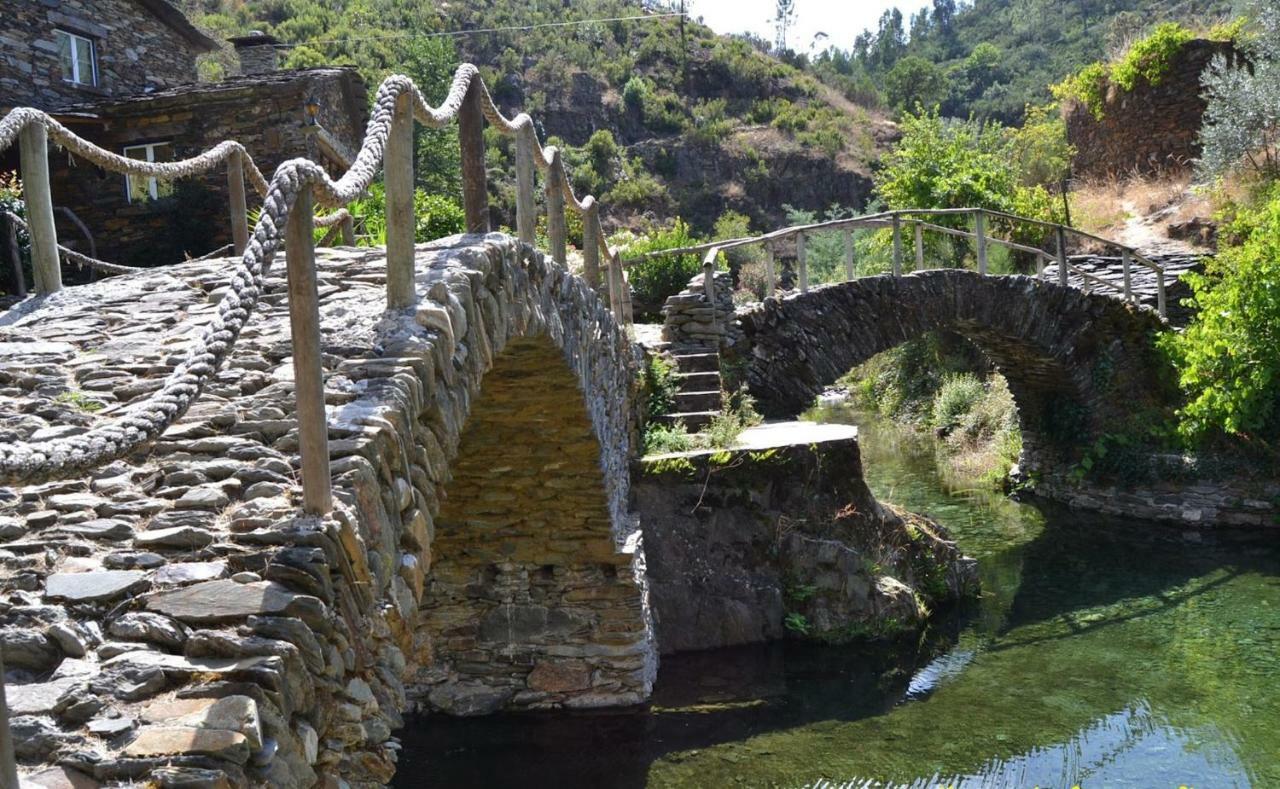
698 399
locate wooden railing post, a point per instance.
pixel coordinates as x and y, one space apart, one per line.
38 197
1062 255
919 246
1161 306
555 207
526 216
1040 267
709 281
628 314
897 245
348 226
848 255
980 239
8 766
475 186
15 258
591 245
401 224
1124 268
769 278
802 263
614 272
308 376
238 205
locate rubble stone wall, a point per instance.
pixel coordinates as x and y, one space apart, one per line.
173 617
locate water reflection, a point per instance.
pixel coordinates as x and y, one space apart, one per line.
1102 652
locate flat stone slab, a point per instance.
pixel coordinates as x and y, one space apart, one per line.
225 600
179 740
92 586
772 435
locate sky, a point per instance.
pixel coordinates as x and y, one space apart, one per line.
842 20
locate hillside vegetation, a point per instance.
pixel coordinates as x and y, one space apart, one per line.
663 118
992 58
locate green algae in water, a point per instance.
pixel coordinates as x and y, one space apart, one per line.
1101 653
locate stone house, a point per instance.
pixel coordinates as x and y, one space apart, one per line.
122 73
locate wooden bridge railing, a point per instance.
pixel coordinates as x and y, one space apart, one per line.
917 220
287 217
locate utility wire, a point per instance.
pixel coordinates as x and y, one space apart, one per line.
513 28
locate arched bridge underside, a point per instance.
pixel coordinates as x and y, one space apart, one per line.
1077 364
170 616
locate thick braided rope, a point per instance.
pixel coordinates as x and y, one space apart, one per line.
17 119
24 462
83 261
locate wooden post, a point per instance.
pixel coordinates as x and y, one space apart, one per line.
1062 255
555 208
34 142
1040 267
980 238
15 255
848 255
769 281
239 208
1124 268
526 218
308 377
919 246
401 224
897 245
8 766
1161 307
591 245
802 264
627 313
475 186
709 279
614 273
348 230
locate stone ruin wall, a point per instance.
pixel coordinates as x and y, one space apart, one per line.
170 616
1152 129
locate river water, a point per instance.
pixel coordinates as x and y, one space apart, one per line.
1102 653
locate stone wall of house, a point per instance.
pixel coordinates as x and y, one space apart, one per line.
171 617
784 525
264 113
135 51
1150 129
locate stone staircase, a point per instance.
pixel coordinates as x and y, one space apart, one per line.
698 399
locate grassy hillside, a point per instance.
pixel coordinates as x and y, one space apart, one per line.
665 119
990 58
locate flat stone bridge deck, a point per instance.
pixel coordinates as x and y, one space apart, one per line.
170 616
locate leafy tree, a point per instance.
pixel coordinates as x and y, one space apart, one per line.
1242 120
1229 357
784 16
915 82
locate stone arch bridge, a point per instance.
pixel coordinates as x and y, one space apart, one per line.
1077 363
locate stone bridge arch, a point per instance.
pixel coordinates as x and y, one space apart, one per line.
181 584
1077 364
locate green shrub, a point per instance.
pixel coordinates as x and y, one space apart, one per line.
1149 58
436 216
955 400
1229 357
635 92
661 439
658 277
1088 86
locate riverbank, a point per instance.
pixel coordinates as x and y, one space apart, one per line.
1102 651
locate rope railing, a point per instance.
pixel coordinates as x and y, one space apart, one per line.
287 217
898 220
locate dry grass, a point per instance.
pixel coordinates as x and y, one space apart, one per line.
1136 210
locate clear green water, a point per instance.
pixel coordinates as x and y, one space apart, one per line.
1102 653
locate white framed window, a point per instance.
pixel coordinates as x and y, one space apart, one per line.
79 58
140 189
